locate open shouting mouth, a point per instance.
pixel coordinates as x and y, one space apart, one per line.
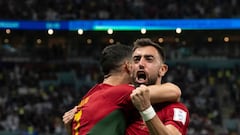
141 77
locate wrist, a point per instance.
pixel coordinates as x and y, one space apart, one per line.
148 114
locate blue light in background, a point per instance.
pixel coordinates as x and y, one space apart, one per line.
125 25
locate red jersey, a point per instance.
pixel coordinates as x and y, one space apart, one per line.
175 114
102 111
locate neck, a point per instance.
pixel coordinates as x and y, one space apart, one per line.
114 79
159 80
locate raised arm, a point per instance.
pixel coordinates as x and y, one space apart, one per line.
164 92
156 127
141 99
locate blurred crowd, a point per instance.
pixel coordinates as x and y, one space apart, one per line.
34 96
212 96
117 9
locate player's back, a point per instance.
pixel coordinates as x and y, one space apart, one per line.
102 112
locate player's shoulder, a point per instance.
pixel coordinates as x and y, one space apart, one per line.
171 105
122 88
119 90
178 105
125 86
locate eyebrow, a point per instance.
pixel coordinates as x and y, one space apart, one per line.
146 55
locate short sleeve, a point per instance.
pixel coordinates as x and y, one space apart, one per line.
176 115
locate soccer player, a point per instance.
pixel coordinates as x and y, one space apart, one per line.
170 118
105 108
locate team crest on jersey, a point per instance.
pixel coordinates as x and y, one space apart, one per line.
179 115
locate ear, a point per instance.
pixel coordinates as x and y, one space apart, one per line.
128 66
163 69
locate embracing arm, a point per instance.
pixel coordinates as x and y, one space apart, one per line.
67 119
164 92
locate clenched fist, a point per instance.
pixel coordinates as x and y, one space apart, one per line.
141 98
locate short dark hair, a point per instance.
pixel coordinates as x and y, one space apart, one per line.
112 57
142 42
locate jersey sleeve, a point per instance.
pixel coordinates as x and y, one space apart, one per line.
178 116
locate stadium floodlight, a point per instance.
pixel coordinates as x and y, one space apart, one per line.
50 31
8 31
210 39
110 31
111 41
80 31
89 41
178 30
160 40
143 31
38 41
226 39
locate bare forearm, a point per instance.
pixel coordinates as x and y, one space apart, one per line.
165 92
156 127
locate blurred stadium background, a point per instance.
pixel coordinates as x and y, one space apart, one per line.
48 61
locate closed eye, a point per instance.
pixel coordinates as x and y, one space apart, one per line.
136 59
149 58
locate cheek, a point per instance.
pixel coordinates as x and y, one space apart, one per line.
134 67
155 69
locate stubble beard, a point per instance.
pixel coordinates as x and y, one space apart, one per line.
150 81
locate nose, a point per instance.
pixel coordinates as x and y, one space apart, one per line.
141 66
141 63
